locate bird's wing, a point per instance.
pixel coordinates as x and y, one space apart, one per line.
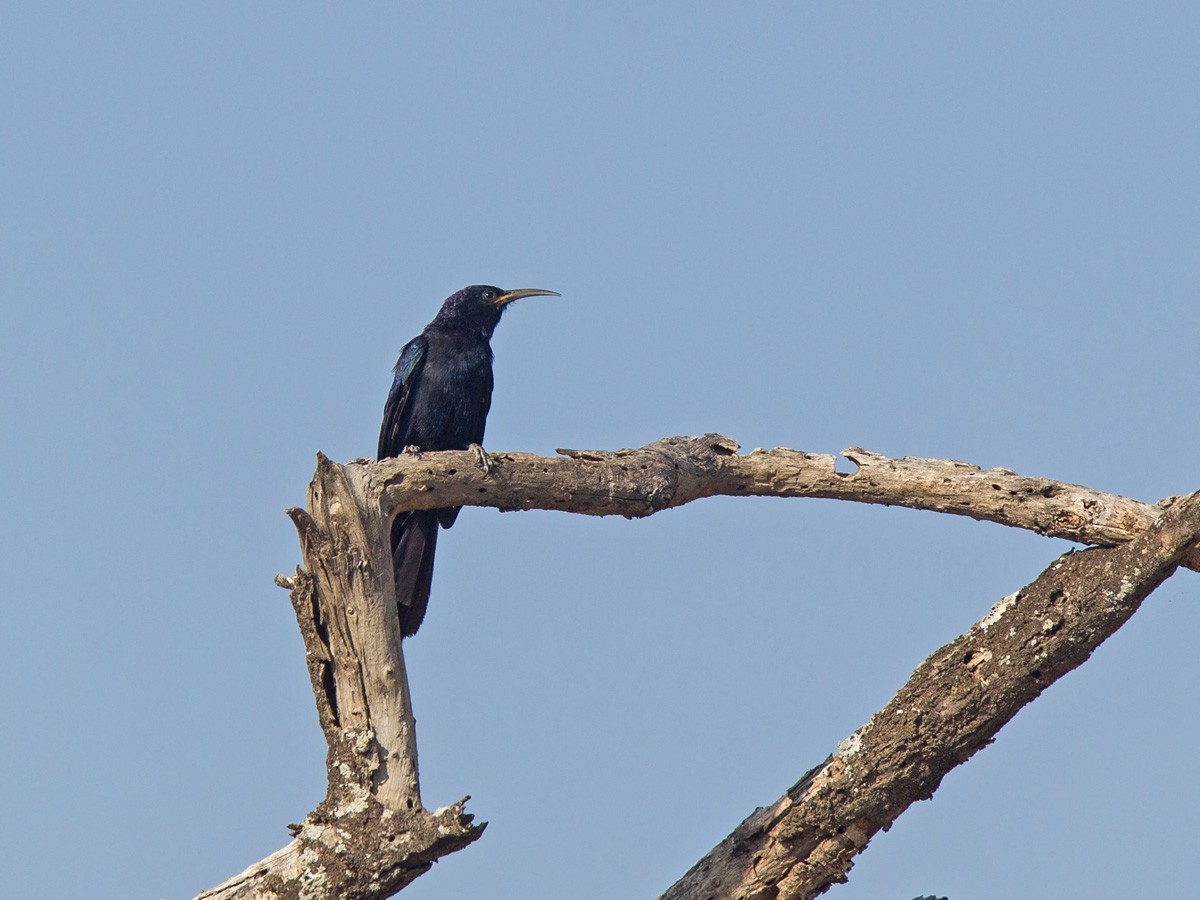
393 433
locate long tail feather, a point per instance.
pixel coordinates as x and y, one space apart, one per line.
414 538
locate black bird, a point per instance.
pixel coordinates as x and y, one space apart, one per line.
439 401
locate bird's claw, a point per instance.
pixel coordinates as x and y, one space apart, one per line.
481 456
411 450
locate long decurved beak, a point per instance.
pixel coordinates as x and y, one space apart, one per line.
509 296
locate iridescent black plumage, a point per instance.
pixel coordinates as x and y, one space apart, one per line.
439 400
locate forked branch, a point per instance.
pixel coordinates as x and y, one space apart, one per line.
371 836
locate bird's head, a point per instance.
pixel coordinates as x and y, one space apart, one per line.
481 305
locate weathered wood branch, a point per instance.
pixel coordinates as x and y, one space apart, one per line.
678 470
954 704
370 836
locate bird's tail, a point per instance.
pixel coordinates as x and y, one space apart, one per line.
414 537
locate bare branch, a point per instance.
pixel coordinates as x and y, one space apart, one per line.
954 704
675 471
370 836
327 860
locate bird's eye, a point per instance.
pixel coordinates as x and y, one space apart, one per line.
489 295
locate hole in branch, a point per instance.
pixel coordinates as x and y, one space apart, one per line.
844 465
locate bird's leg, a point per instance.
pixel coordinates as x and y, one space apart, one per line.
481 456
411 450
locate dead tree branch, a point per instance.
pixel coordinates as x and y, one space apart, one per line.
678 470
371 835
954 704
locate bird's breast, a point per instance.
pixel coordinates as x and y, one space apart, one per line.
456 392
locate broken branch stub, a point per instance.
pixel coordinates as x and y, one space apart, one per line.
370 836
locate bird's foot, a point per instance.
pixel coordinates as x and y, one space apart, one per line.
481 456
411 450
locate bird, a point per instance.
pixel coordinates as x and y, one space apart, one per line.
439 400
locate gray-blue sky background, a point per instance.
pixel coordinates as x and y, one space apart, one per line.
950 230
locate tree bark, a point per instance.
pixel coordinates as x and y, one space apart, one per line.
954 704
678 470
371 835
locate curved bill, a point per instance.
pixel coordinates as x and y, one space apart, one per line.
509 296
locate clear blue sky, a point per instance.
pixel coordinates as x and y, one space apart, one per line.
949 230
